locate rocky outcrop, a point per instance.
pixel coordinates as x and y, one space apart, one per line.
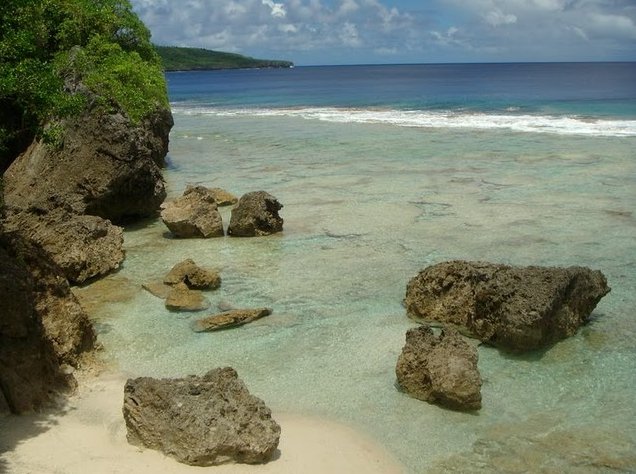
182 298
229 319
193 276
256 214
64 198
441 370
82 246
195 214
106 167
42 327
201 421
515 308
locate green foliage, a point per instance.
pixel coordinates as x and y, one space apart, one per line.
186 59
49 47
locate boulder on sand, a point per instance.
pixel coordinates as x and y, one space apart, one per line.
514 308
229 319
195 214
256 214
441 370
201 421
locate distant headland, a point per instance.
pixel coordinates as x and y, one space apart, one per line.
191 59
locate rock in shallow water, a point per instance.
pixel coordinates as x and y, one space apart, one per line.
182 298
515 308
195 214
229 319
201 421
193 276
256 214
441 370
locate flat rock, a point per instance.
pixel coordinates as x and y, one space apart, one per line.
195 214
182 298
230 319
256 214
157 288
193 276
201 421
441 370
514 308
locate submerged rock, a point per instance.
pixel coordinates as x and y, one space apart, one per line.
256 214
229 319
515 308
200 421
441 370
193 276
157 288
182 298
195 214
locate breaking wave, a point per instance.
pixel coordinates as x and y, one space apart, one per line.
554 124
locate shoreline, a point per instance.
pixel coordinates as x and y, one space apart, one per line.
88 434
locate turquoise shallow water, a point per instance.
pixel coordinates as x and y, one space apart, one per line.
366 206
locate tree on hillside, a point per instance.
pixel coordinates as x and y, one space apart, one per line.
55 54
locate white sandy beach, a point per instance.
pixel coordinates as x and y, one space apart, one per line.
90 436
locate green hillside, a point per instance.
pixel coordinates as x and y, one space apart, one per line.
188 59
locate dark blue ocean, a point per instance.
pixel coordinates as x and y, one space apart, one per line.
547 91
383 170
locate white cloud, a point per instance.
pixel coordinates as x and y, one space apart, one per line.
349 35
496 18
436 30
278 9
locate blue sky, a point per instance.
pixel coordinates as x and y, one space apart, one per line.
399 31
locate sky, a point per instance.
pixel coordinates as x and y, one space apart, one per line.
316 32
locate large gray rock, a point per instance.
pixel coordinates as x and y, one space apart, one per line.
229 319
195 214
106 166
256 214
441 370
515 308
201 421
193 276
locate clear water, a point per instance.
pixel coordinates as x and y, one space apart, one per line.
367 204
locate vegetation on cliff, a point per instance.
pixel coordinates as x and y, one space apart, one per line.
58 56
189 59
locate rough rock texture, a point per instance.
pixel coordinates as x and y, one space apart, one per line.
195 214
42 327
157 288
256 214
193 276
200 421
106 167
516 308
182 298
229 319
82 246
441 370
221 196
